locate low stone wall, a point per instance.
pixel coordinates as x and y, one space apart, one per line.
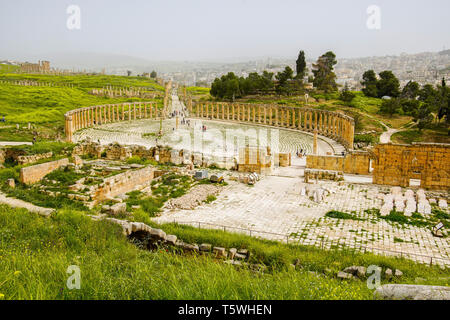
33 174
355 162
317 174
159 154
123 183
22 160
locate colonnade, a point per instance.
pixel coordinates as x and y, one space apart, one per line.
334 125
90 116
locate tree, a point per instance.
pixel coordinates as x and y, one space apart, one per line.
410 106
370 84
428 94
283 77
444 102
129 73
346 95
153 74
410 90
300 65
324 77
423 116
226 87
388 85
390 106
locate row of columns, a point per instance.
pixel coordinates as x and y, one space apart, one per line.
88 117
331 124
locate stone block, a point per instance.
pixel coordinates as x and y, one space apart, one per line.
118 208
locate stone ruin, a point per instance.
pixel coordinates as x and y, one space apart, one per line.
409 202
317 174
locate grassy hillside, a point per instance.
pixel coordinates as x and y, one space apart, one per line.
88 81
44 107
6 68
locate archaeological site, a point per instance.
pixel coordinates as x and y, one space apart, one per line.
313 177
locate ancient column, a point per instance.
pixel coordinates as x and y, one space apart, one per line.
276 116
315 119
315 142
69 128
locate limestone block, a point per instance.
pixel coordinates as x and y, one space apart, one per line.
11 183
409 193
158 234
358 271
231 253
412 292
205 247
118 208
385 210
396 190
220 252
443 204
344 275
171 239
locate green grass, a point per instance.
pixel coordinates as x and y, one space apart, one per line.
5 68
341 215
20 104
87 81
36 253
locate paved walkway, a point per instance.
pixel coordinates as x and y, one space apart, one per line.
14 143
16 203
276 207
385 137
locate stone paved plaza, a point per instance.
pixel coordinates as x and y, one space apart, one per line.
275 205
142 132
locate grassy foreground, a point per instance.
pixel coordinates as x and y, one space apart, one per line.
36 252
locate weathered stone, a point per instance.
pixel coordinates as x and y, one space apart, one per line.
171 239
388 273
239 256
11 183
344 275
358 271
205 247
232 253
443 204
118 208
412 292
398 273
158 234
220 252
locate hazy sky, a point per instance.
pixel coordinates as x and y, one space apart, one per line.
212 29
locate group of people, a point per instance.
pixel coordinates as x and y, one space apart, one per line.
3 119
301 153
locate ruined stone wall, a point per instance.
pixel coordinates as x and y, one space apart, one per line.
33 174
354 162
284 159
254 159
22 160
123 183
397 164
